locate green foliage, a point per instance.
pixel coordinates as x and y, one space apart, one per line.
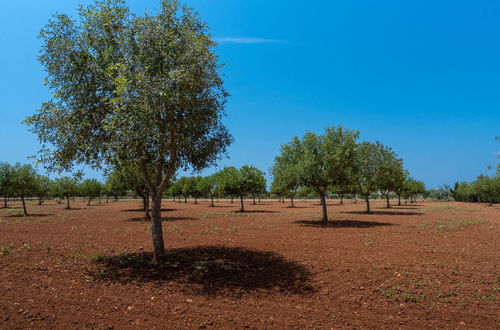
90 188
6 179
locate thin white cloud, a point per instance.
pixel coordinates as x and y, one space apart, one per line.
236 40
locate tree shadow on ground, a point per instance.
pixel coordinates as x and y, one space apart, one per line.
256 211
29 215
142 210
383 212
404 207
210 270
341 223
163 219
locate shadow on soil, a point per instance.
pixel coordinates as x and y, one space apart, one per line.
164 219
142 210
383 212
29 215
342 224
210 270
256 211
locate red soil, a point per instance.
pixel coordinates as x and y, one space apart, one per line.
422 265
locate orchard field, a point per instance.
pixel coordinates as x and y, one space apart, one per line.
419 265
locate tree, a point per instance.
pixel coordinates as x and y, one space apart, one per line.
176 189
252 181
323 160
286 174
90 188
66 187
131 178
208 186
247 180
115 185
369 165
6 177
190 188
23 183
127 88
228 179
413 188
391 174
42 187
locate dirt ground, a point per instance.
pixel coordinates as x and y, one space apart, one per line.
420 265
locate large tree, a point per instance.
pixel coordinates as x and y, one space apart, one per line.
138 89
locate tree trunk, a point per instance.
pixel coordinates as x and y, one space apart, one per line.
212 201
107 199
88 204
367 200
195 200
291 201
259 198
39 200
242 207
145 201
156 228
399 200
174 198
232 199
253 196
5 202
355 199
67 203
99 199
323 204
341 199
387 199
24 206
185 199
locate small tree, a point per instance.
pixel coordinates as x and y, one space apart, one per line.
42 189
391 174
24 183
252 181
369 164
90 188
286 174
323 160
6 180
67 187
208 186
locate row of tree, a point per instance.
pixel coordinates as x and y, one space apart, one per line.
336 161
22 181
485 189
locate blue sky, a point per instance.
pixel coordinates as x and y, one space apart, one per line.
422 77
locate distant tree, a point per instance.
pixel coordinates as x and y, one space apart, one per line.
369 164
6 181
286 173
229 183
413 188
486 188
391 174
23 183
90 188
42 188
66 187
190 188
115 186
323 160
252 181
208 186
175 190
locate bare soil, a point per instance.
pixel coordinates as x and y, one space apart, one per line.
420 265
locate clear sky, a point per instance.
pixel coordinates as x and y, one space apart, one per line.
420 76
